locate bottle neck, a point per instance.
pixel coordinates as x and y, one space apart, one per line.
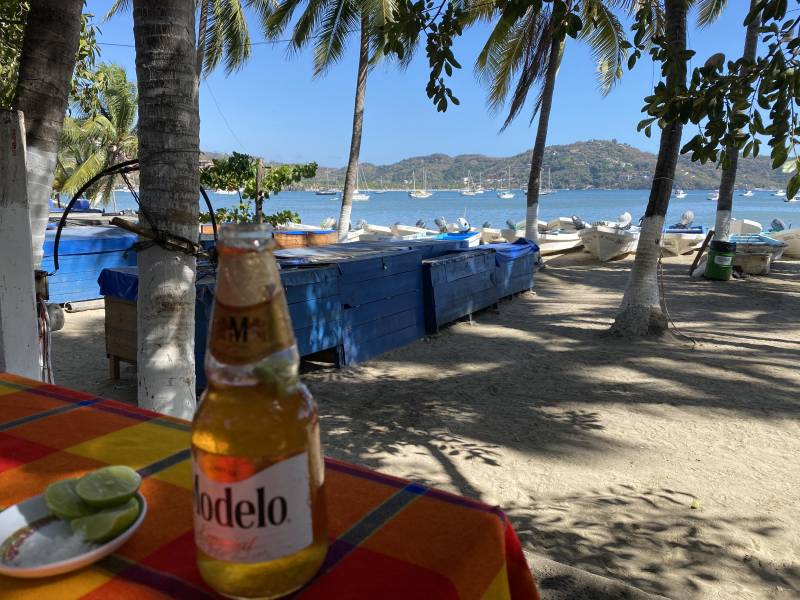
250 320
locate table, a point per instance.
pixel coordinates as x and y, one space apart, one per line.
390 538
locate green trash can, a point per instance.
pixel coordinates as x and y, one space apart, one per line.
720 260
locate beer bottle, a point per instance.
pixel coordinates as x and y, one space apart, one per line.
259 503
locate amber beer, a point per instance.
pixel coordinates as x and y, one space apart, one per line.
259 502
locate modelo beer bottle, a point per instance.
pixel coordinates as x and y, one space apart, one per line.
259 503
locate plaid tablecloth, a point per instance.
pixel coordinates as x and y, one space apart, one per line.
389 538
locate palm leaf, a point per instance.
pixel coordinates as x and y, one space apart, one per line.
226 36
709 11
85 171
605 35
340 18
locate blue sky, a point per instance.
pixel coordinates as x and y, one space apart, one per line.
276 109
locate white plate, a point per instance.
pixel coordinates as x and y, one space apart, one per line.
34 511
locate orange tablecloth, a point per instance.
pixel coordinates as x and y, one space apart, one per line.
389 538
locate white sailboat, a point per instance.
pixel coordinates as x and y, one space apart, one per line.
748 193
421 193
469 186
328 190
680 194
506 194
549 188
359 196
714 196
780 194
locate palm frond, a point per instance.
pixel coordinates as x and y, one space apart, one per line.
605 35
226 36
307 25
340 19
709 11
85 171
119 6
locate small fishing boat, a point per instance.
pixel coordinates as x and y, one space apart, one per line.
491 235
412 230
469 239
563 224
790 237
779 193
745 226
680 194
557 242
714 195
748 193
756 252
608 240
677 241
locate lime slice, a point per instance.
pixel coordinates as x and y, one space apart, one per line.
109 486
108 523
64 502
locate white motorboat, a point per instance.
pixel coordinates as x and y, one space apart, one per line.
412 230
680 194
791 237
224 192
755 252
562 223
748 193
556 242
490 235
779 193
714 195
675 242
607 240
745 226
422 193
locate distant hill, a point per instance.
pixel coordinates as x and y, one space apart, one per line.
589 164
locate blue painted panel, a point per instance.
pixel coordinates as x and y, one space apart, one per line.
389 263
320 336
365 313
363 292
76 279
452 267
514 276
305 284
305 314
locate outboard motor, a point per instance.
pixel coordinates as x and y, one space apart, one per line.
777 225
687 218
578 223
362 224
328 223
486 225
441 223
463 225
511 224
624 220
421 224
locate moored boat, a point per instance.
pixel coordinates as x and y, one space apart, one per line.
606 240
745 226
677 241
756 252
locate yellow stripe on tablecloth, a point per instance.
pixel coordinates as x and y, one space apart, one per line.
180 474
498 588
137 446
64 587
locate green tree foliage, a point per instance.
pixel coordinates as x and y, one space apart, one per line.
238 172
13 14
103 133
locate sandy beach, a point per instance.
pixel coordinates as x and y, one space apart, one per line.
669 465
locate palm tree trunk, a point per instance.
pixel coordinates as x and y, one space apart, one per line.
201 35
51 40
537 156
640 313
351 175
722 228
169 150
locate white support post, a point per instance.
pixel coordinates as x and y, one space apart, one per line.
19 342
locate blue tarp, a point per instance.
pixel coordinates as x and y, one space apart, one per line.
123 283
89 240
509 251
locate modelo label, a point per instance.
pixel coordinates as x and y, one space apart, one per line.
723 261
261 518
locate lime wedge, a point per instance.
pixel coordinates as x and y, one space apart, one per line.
64 502
108 523
109 486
